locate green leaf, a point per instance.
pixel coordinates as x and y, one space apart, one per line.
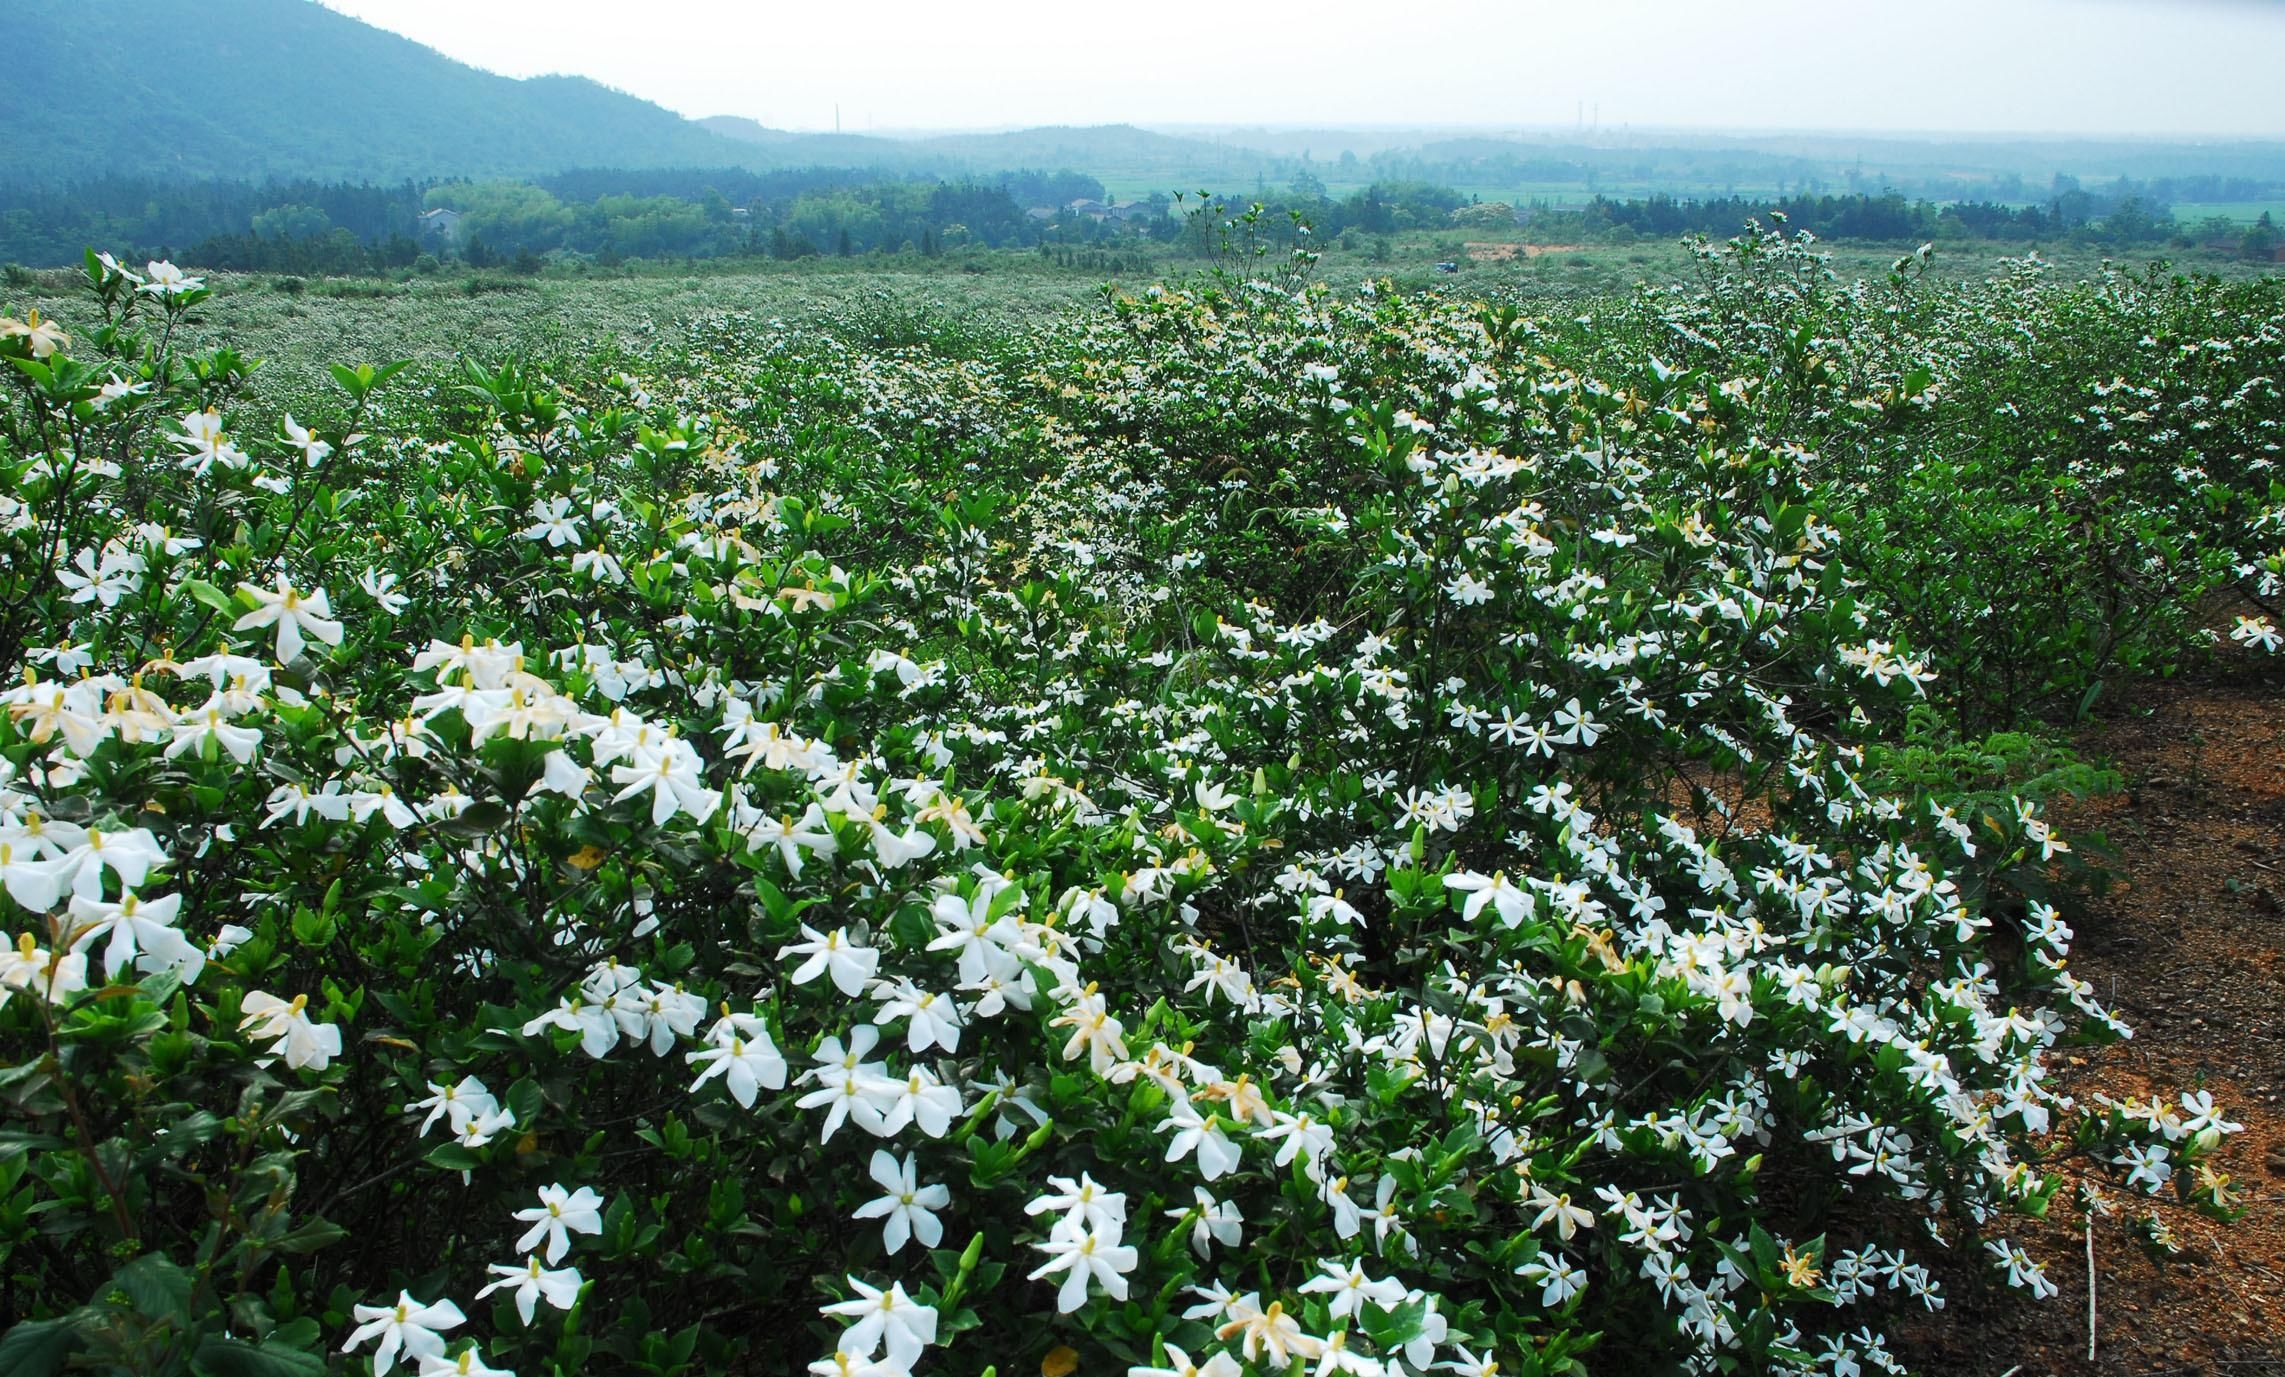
526 1101
453 1157
476 820
156 1285
209 595
37 1348
309 1237
223 1357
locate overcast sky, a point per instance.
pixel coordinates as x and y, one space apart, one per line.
2064 66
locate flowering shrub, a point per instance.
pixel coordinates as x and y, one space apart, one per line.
1260 829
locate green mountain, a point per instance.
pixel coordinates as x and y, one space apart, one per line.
287 88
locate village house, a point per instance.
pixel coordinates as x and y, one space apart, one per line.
441 225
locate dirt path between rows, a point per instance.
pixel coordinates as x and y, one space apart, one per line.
2186 946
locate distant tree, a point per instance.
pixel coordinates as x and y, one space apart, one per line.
291 222
2261 239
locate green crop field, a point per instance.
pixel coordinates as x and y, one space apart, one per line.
2243 212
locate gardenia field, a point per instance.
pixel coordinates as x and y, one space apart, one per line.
1262 828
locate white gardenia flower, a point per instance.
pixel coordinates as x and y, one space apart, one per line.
907 1208
674 781
293 613
1558 1280
1179 1364
1202 1134
1512 903
130 855
597 1026
921 1099
884 1318
740 1051
1081 1253
553 522
314 451
407 1327
34 881
1301 1135
934 1019
793 837
382 589
559 1214
1349 1288
141 931
455 1104
1218 1221
162 278
851 966
304 1044
1082 1201
197 728
534 1283
466 1363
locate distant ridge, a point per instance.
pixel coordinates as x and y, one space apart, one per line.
256 89
261 89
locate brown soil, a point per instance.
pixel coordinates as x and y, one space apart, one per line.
2186 947
1502 252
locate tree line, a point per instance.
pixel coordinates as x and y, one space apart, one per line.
613 215
345 228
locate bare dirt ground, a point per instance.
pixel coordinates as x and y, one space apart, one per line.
2186 946
1502 252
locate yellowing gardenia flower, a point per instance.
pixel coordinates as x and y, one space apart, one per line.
1094 1031
43 336
305 1045
1270 1333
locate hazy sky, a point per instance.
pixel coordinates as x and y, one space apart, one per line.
2075 66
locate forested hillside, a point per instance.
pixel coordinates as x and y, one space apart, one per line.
285 88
